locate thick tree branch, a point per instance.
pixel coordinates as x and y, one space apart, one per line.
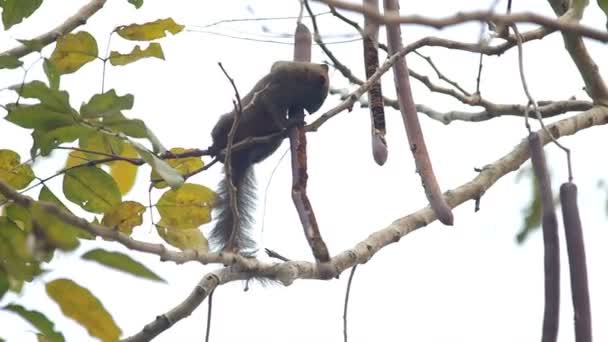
289 271
594 83
78 19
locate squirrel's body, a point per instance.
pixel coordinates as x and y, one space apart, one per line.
289 85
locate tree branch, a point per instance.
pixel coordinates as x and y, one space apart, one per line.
289 271
464 17
78 19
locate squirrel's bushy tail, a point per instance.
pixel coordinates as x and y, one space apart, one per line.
243 179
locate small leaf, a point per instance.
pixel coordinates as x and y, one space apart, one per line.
136 3
14 11
74 50
183 238
10 62
32 44
91 188
125 216
183 165
14 173
125 173
121 262
79 304
189 206
104 104
153 50
51 74
38 320
164 170
149 31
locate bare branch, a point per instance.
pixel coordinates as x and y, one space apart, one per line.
464 17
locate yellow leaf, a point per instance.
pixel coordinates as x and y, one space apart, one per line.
76 158
187 207
79 304
13 172
153 50
72 51
149 31
125 216
183 165
124 173
183 238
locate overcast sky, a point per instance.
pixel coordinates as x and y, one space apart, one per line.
470 282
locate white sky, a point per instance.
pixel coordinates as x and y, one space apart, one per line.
471 282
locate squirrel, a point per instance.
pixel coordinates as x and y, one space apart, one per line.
288 86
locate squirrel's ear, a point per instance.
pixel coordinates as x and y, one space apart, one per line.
325 67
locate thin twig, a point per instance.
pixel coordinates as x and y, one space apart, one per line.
346 298
232 195
209 311
532 102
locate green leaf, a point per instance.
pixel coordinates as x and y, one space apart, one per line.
19 215
51 232
74 50
124 217
101 142
46 141
32 44
136 3
14 173
153 50
51 74
157 146
183 165
10 62
4 285
55 100
183 239
132 127
79 304
15 254
91 188
149 31
14 11
164 170
604 6
52 112
47 195
121 262
38 116
189 206
108 103
38 320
